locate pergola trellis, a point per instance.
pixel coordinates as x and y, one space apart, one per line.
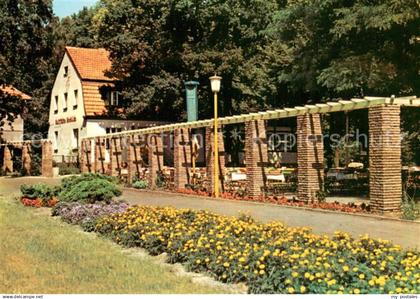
385 157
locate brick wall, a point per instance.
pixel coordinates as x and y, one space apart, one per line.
385 158
7 160
26 158
85 156
256 156
182 158
134 159
100 166
210 158
115 156
310 156
155 153
46 163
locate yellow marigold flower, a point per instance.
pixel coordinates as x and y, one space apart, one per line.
307 275
345 268
371 282
295 274
262 272
262 266
362 276
291 290
226 264
331 282
197 261
242 260
355 269
356 291
302 289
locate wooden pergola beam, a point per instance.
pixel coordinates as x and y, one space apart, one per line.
329 107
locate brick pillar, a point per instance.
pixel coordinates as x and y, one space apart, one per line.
210 158
135 161
100 155
26 158
47 159
310 156
182 158
385 158
85 156
155 153
7 160
115 156
256 156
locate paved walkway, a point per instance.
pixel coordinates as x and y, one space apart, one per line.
404 233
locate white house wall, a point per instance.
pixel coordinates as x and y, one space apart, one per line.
64 122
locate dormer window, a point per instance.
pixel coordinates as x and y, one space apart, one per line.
112 98
66 71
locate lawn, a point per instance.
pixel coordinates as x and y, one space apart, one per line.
40 254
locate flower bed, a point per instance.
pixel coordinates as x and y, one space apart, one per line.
38 195
332 206
37 202
269 258
86 214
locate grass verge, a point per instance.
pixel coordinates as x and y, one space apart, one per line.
40 254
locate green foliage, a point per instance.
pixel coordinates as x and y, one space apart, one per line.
88 188
42 191
68 183
410 210
66 169
141 184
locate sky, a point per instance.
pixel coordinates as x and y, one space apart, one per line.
64 8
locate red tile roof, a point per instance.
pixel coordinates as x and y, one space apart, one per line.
91 64
14 92
94 104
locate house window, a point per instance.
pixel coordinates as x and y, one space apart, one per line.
55 104
76 98
55 142
75 139
66 71
65 102
113 98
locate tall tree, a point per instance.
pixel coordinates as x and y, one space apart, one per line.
26 47
156 45
347 48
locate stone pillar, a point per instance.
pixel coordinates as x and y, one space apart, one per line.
182 158
7 160
100 155
210 159
134 159
85 156
385 158
155 153
26 158
256 157
310 156
115 156
47 159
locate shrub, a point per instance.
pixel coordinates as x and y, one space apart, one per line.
40 191
409 209
86 214
68 183
90 191
38 195
141 184
65 169
269 258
